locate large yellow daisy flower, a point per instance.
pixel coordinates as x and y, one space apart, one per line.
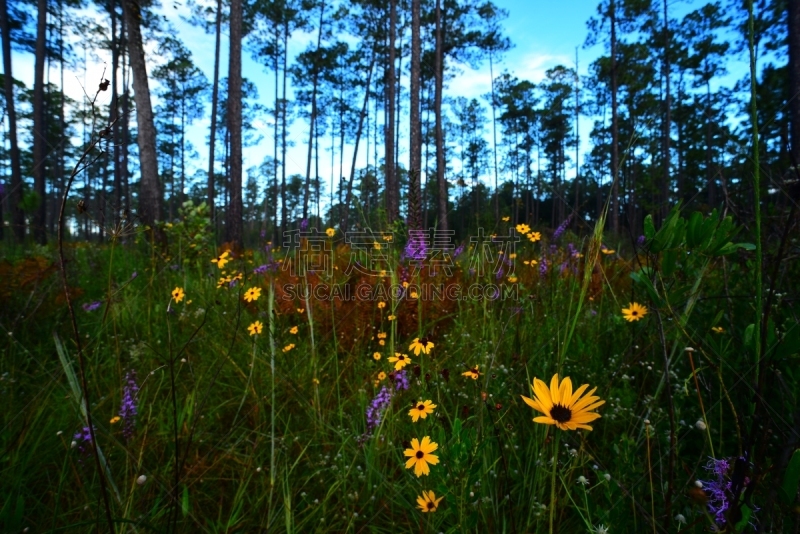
252 294
422 344
563 407
421 409
635 312
420 456
427 502
399 360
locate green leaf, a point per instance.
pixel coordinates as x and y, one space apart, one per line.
791 479
640 278
669 261
649 227
746 513
185 501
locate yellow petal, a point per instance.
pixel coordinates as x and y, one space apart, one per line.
542 395
554 393
565 391
411 461
545 420
432 459
577 394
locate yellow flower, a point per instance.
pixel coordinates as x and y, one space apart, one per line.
381 305
376 245
605 250
381 376
381 342
222 259
523 228
288 347
114 420
293 330
531 262
255 328
423 345
561 406
376 356
513 256
512 279
405 285
414 295
421 410
330 232
635 312
392 317
717 329
387 237
224 280
472 373
506 219
427 502
399 360
420 456
382 335
383 272
178 294
252 294
315 381
300 310
533 237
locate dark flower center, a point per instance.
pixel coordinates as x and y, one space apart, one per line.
420 454
634 312
560 413
430 505
421 407
401 358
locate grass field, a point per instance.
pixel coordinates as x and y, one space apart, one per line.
227 398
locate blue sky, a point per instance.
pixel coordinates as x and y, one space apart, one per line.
545 33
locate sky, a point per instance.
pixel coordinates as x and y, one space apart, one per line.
544 34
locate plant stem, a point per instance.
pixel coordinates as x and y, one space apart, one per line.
756 187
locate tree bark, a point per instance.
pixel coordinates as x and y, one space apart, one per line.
665 196
149 188
440 178
39 222
15 193
389 171
234 214
794 83
214 102
313 120
283 127
114 111
614 125
359 131
415 141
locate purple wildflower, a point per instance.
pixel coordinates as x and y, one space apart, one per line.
92 306
416 248
304 224
128 411
83 440
377 407
401 380
457 252
720 491
499 274
134 275
640 241
543 266
562 227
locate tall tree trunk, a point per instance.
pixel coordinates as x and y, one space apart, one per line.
389 171
440 179
234 215
415 134
359 131
39 133
614 125
125 117
149 188
313 120
494 143
576 206
665 196
212 140
794 84
114 111
15 193
284 103
710 178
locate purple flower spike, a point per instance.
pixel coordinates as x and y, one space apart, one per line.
92 306
129 409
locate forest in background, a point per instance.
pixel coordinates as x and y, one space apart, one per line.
661 121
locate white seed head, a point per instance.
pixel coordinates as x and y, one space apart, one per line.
698 483
141 480
700 425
